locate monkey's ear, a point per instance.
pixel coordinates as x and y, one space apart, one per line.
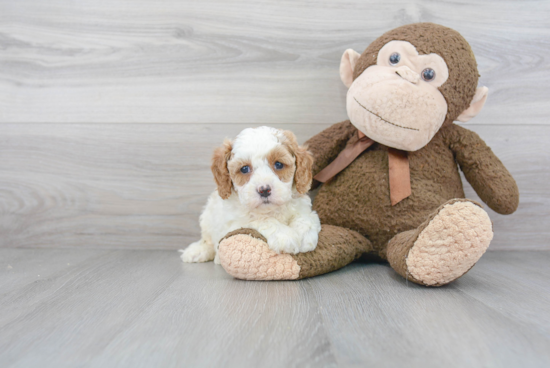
347 64
475 107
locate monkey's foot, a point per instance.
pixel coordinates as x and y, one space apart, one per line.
244 254
444 247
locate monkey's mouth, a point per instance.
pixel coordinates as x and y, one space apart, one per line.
384 120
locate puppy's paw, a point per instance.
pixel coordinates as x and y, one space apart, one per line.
284 241
309 241
198 252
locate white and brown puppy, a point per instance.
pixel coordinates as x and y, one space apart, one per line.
263 177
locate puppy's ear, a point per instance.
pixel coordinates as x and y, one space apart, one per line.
304 174
221 155
304 163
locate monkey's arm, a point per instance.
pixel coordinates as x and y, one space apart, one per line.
326 145
483 170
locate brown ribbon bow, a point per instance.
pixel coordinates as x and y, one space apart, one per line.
398 162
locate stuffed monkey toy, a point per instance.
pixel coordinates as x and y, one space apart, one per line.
390 181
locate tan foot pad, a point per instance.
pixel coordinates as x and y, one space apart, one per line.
450 244
248 258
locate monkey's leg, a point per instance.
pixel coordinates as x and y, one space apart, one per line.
445 246
244 254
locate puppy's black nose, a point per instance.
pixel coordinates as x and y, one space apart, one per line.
265 191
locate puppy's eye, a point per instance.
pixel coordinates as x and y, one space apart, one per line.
395 58
245 169
279 165
428 74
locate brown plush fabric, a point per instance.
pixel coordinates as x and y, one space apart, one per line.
245 231
483 170
359 199
337 247
398 248
244 254
356 202
400 245
328 144
460 87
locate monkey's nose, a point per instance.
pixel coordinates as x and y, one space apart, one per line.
406 73
264 191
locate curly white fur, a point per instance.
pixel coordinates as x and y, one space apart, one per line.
285 218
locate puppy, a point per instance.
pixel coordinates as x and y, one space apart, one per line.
263 177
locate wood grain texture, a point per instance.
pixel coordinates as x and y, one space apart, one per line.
207 61
147 309
32 266
217 67
142 186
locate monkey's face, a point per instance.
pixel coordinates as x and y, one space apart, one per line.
397 101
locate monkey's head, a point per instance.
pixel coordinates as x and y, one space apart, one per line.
409 82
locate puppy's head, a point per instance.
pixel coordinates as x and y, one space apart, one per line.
265 166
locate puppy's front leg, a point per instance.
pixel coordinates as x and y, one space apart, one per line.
280 237
307 226
205 250
199 251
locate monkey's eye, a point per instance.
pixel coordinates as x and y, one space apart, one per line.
278 165
394 58
428 74
245 169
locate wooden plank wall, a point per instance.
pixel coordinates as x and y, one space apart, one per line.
109 110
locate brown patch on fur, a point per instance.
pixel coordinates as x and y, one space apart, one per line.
219 168
428 38
237 176
304 162
283 155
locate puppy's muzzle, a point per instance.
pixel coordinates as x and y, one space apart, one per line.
264 191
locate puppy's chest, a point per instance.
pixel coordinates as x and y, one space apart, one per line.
242 217
283 217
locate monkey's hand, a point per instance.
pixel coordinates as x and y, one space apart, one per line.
483 170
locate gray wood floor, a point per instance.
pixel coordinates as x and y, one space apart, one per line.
121 308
